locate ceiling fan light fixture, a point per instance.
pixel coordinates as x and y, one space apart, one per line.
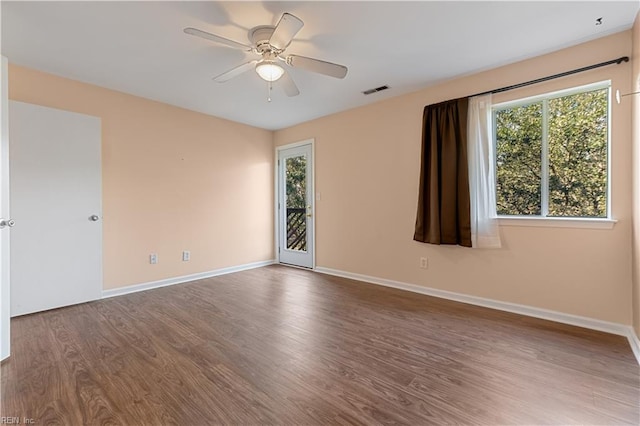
269 70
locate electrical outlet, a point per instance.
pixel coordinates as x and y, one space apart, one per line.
153 258
424 263
186 256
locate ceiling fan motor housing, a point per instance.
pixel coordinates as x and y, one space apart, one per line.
260 36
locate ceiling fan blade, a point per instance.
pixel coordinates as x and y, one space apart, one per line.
212 37
285 31
316 65
235 71
288 85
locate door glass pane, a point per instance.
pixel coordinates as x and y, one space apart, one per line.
296 198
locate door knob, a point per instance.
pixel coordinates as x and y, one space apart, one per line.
9 223
94 218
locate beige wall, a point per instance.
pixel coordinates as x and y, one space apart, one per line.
635 103
367 167
173 180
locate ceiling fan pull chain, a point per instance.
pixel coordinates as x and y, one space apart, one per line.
269 88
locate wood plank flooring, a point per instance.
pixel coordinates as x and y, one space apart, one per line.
278 345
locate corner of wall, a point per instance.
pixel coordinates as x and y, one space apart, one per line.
635 105
214 180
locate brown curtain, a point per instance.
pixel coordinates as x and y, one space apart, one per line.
443 206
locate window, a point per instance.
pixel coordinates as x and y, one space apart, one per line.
552 154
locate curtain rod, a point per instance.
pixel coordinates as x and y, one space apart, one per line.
551 77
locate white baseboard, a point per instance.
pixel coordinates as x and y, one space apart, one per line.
183 279
590 323
634 342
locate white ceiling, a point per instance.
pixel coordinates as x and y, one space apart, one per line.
140 48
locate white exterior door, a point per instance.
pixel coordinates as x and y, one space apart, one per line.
295 206
56 201
4 214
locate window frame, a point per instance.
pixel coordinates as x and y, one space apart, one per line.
543 219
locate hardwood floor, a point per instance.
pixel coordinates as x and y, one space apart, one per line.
279 345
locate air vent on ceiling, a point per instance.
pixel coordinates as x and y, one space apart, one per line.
377 89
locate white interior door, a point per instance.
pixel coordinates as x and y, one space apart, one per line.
5 338
56 201
295 206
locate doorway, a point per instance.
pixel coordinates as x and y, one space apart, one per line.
56 201
295 205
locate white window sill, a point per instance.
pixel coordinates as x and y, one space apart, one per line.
557 222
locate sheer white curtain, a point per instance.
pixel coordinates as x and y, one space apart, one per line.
482 184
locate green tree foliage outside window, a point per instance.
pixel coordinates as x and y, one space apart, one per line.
518 162
574 144
296 182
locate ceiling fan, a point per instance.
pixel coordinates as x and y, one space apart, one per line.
270 43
